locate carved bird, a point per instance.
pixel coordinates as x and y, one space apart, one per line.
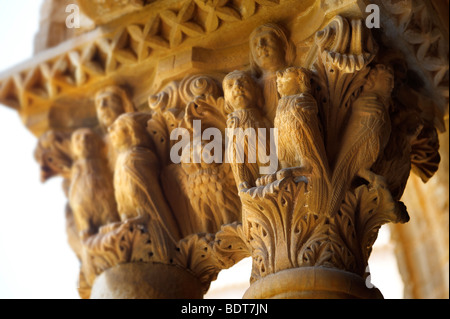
54 155
246 171
300 142
136 178
213 195
91 194
367 132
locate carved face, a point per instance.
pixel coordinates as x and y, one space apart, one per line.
382 80
109 106
84 143
53 154
239 90
292 81
386 81
287 84
120 134
268 51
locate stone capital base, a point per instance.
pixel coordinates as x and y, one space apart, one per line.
146 281
312 283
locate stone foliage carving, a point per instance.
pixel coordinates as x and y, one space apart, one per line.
243 101
166 213
345 152
270 51
335 187
135 41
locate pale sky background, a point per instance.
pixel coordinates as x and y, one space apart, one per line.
35 259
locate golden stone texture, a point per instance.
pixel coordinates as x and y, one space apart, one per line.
355 109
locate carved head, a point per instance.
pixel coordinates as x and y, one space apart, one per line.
293 80
129 130
111 102
270 49
240 91
380 80
85 144
53 153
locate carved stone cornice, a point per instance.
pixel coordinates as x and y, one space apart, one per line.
141 45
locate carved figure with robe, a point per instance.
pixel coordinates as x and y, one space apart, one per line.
243 101
91 194
110 103
136 177
270 51
367 132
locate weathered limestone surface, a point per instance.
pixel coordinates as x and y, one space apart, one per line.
134 111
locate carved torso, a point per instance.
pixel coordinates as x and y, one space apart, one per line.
130 178
368 131
91 195
296 115
269 86
245 119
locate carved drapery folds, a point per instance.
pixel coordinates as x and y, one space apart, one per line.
346 144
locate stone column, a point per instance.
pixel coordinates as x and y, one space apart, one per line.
345 147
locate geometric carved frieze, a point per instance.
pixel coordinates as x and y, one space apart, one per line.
142 42
419 31
350 126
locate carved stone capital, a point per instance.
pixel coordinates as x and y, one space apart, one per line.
136 114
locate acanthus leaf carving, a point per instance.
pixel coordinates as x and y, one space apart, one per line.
333 187
326 203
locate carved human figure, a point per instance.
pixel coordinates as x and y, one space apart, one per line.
243 100
110 103
270 51
300 141
136 177
368 129
91 194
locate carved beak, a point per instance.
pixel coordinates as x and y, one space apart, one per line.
46 173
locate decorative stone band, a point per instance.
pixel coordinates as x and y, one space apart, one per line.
146 281
312 283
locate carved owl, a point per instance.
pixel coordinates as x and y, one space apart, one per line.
300 145
300 141
299 134
213 195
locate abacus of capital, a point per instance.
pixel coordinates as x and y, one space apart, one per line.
351 123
